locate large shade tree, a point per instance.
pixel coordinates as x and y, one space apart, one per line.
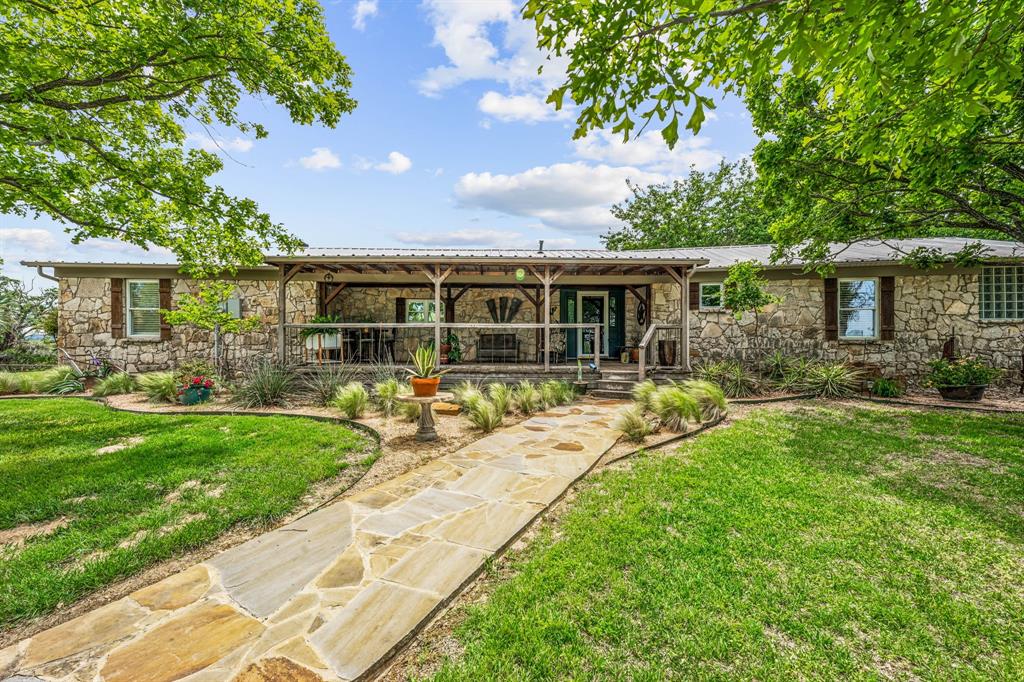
879 119
96 97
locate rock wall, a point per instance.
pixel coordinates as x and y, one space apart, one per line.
929 309
84 325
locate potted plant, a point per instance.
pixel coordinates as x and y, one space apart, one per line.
196 390
451 349
322 338
425 375
961 378
634 349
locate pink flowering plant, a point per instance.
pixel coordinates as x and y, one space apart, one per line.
196 390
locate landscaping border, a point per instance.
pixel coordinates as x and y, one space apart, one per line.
966 407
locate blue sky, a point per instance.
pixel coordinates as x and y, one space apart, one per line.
451 144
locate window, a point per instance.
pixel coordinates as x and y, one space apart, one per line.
143 307
1002 293
421 310
710 295
858 308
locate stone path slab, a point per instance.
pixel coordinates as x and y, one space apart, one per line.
331 595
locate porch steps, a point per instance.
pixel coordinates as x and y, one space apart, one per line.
616 384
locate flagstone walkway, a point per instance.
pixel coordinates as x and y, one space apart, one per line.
334 593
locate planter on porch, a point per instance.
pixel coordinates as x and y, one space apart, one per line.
323 341
667 352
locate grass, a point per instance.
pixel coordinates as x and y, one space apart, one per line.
824 543
190 479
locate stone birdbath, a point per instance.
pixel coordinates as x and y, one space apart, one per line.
426 431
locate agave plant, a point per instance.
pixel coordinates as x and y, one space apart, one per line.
424 363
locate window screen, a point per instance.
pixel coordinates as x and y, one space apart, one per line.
858 308
143 303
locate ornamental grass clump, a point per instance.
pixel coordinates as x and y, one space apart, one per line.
884 387
556 392
833 380
352 399
410 412
115 384
266 384
526 398
643 393
500 395
709 396
675 407
634 424
159 387
323 383
466 393
484 415
385 395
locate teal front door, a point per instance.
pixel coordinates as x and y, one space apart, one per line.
593 305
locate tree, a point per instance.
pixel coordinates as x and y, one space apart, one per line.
745 290
892 118
23 314
94 94
715 208
209 311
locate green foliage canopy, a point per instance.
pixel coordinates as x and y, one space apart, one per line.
207 310
879 119
713 208
93 96
745 290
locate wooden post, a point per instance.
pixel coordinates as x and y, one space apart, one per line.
437 320
547 318
282 301
685 330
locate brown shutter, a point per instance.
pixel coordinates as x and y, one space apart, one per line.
400 309
694 295
831 309
888 308
165 304
117 308
321 296
449 308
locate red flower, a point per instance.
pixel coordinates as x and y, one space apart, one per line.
208 384
197 380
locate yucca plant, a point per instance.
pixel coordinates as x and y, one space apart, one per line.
675 407
634 424
643 392
775 365
266 384
735 379
484 415
352 399
323 383
500 395
385 394
526 398
159 387
709 396
834 380
795 377
115 384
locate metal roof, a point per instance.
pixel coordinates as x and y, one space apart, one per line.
710 258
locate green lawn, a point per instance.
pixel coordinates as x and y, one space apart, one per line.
182 481
826 543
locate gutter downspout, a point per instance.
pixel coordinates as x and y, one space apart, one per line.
39 269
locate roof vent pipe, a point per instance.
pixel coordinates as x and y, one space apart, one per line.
540 248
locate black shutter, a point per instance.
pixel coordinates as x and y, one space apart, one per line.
831 309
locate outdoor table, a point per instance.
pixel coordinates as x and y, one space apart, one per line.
426 431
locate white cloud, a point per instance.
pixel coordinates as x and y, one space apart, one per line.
364 9
321 159
396 164
648 151
211 144
568 196
480 237
32 238
525 108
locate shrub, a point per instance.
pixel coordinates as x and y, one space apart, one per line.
526 398
643 393
8 383
386 394
484 415
884 387
709 396
634 424
196 367
500 395
960 372
466 393
115 384
733 378
775 365
352 399
65 386
410 412
675 407
159 387
833 380
556 392
266 384
323 383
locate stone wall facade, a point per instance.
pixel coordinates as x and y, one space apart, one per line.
84 325
929 310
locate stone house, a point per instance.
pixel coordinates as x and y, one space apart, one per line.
519 311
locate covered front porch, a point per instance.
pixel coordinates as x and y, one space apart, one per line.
508 312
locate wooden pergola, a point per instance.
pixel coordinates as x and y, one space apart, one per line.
454 271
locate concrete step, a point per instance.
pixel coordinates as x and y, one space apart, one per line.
613 395
616 384
620 376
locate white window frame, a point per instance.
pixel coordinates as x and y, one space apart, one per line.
840 308
700 295
428 303
128 307
1010 297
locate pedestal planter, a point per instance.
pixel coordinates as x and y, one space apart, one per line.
962 393
425 388
193 395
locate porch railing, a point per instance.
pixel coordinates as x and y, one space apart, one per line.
485 343
649 345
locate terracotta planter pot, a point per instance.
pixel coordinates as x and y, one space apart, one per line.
634 355
962 393
424 388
